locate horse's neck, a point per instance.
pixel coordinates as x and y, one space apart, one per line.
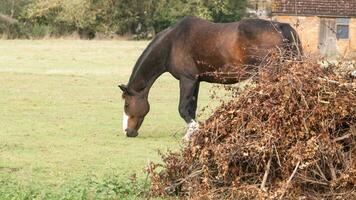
143 78
150 65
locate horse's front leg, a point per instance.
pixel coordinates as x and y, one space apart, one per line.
189 90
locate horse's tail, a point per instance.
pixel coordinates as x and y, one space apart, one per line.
292 39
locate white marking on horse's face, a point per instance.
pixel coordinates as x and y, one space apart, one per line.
125 122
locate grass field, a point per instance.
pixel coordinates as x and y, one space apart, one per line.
60 119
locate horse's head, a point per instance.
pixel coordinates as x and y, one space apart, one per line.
135 110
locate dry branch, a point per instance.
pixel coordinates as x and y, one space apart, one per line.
342 137
298 113
265 176
289 180
8 19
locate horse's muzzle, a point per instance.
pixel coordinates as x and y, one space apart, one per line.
131 133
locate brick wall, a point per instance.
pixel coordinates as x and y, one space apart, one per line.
348 47
308 28
315 7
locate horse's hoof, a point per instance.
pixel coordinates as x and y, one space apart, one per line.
186 138
193 126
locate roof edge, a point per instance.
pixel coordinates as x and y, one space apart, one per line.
312 15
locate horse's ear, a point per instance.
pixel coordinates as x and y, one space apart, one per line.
127 91
124 89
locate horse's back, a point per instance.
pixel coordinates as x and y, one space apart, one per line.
202 41
198 46
265 31
205 38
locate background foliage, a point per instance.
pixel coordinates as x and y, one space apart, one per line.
99 18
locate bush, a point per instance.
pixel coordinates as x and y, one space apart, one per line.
290 136
142 19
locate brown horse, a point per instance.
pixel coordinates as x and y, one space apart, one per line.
195 50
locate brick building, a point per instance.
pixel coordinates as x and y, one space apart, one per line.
326 27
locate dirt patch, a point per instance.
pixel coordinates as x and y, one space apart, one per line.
9 169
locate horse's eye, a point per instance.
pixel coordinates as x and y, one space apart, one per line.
126 105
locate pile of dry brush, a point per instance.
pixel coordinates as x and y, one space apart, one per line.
290 136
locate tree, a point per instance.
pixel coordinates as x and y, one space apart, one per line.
11 12
66 16
170 11
13 8
135 16
7 19
141 18
226 10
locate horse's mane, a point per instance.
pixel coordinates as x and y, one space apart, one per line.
157 39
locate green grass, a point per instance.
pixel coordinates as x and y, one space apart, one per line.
61 114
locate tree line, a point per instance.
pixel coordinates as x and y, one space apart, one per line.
107 18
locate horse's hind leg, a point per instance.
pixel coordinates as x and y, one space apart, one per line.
187 100
189 90
194 102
